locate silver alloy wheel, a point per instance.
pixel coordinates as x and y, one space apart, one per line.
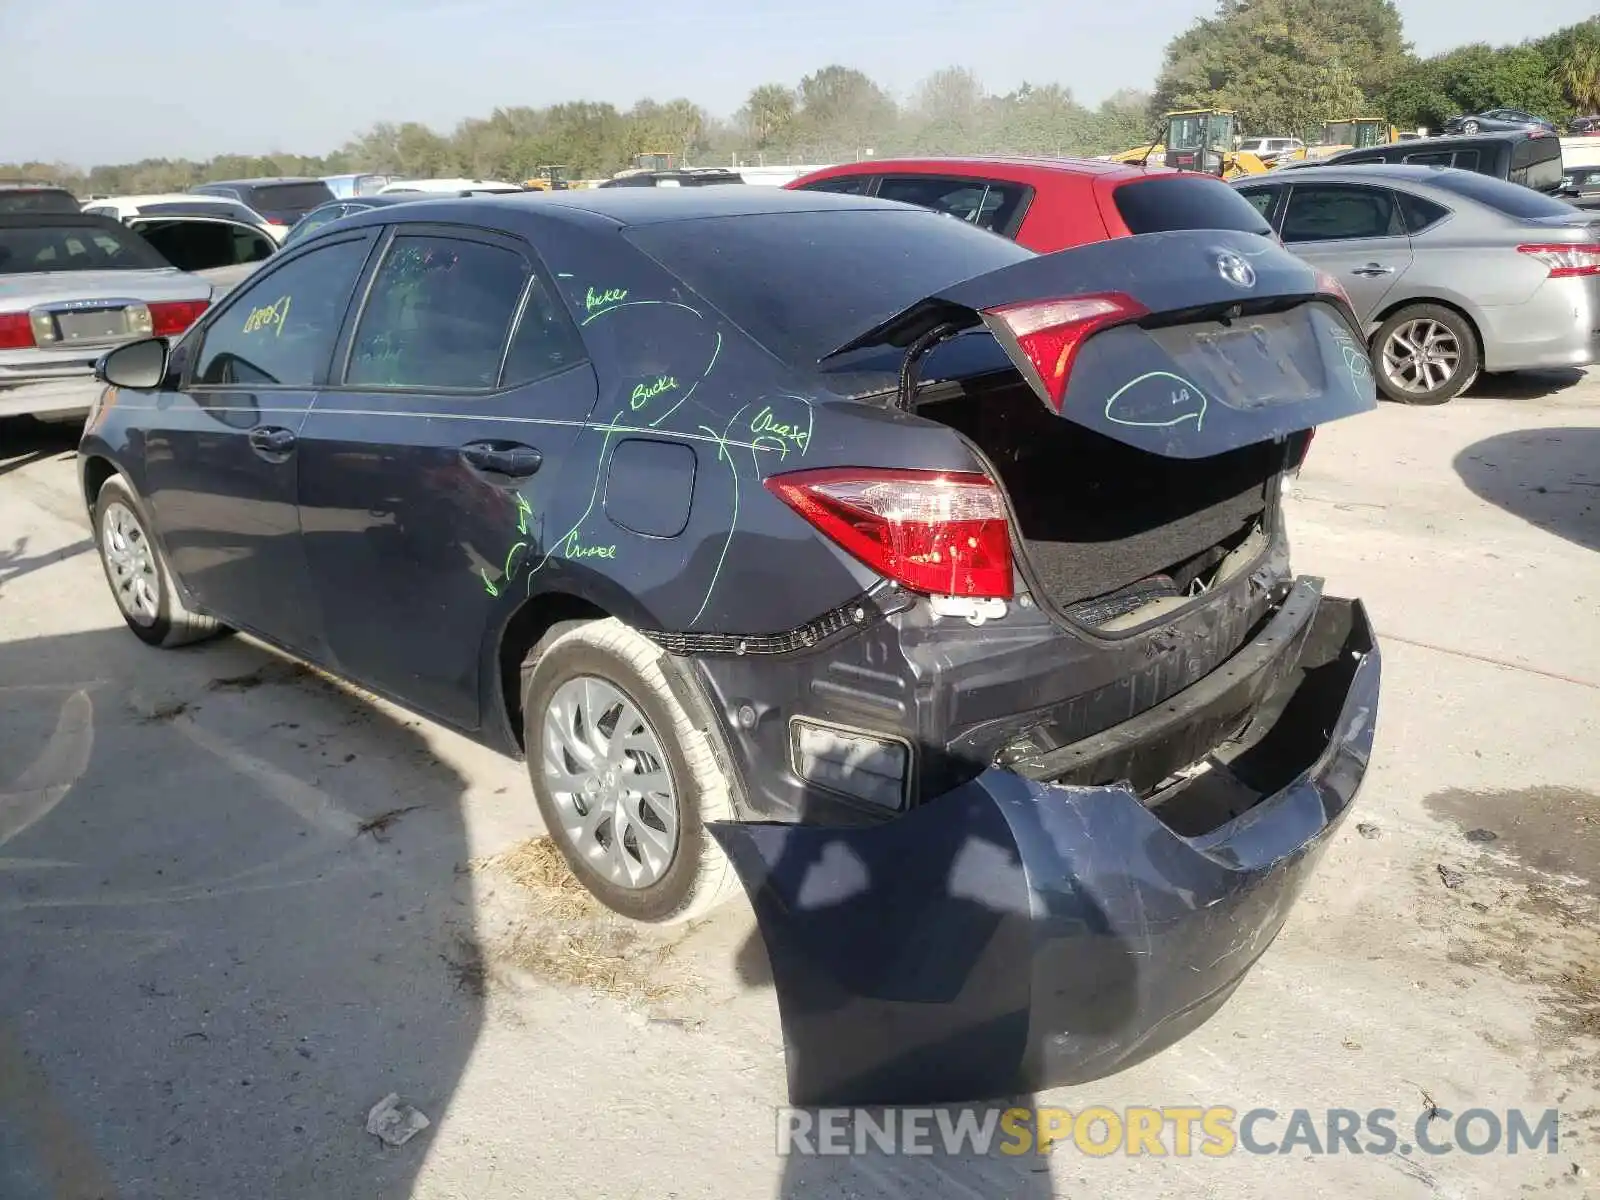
608 776
132 563
1421 356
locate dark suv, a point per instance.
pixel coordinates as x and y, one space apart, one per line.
936 589
34 198
1532 159
280 201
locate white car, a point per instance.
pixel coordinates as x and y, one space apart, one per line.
452 186
1269 148
183 204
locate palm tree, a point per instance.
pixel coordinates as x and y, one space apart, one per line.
1579 72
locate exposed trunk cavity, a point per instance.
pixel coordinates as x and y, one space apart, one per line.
1106 527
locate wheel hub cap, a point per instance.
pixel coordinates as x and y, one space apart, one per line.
608 776
1421 356
131 564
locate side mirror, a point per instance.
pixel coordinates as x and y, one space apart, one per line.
138 365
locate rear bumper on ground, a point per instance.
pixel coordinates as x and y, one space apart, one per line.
1011 935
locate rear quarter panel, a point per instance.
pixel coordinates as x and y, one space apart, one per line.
662 499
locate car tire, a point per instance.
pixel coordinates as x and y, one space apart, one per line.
1470 127
581 675
1445 335
137 573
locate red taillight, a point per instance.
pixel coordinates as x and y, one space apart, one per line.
1051 332
942 533
16 331
1566 260
172 318
276 221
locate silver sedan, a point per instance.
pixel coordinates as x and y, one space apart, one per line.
1453 272
72 286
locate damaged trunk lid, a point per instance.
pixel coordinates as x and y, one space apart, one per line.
1137 399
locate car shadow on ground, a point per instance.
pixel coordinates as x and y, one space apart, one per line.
1549 477
1525 385
24 440
235 918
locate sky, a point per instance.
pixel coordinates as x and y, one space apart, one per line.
90 81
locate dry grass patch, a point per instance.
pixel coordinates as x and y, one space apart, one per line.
555 930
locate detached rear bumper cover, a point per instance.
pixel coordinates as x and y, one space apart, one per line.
1012 935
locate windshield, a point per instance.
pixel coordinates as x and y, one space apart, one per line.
29 249
1163 202
286 201
1186 133
1339 133
803 284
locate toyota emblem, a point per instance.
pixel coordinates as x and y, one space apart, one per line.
1235 270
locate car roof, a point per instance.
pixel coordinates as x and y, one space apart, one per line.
619 207
1016 167
264 180
1365 173
164 198
75 220
28 185
1449 141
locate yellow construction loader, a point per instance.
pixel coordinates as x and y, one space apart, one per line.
548 179
1346 133
1206 139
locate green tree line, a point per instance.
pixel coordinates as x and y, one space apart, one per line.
1284 65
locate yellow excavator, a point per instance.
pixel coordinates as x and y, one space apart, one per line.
548 179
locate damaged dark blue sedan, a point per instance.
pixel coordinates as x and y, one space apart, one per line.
935 590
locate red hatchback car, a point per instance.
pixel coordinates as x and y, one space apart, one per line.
1049 204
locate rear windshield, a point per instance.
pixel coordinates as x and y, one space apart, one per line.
1165 202
281 198
37 200
803 284
30 249
1536 163
1512 199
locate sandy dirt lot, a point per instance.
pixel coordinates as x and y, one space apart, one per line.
240 903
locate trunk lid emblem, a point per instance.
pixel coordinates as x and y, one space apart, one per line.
1235 270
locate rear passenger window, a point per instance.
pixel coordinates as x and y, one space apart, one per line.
1433 158
1262 200
975 201
438 316
546 341
852 185
280 329
1420 214
1466 160
1322 212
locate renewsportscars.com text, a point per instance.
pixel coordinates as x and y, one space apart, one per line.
1178 1131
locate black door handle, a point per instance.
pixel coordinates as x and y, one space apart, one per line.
1373 269
272 439
515 462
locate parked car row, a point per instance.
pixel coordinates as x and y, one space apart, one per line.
1451 272
779 530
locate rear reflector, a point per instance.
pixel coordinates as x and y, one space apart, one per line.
1329 285
16 331
1566 260
940 533
1049 333
173 317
